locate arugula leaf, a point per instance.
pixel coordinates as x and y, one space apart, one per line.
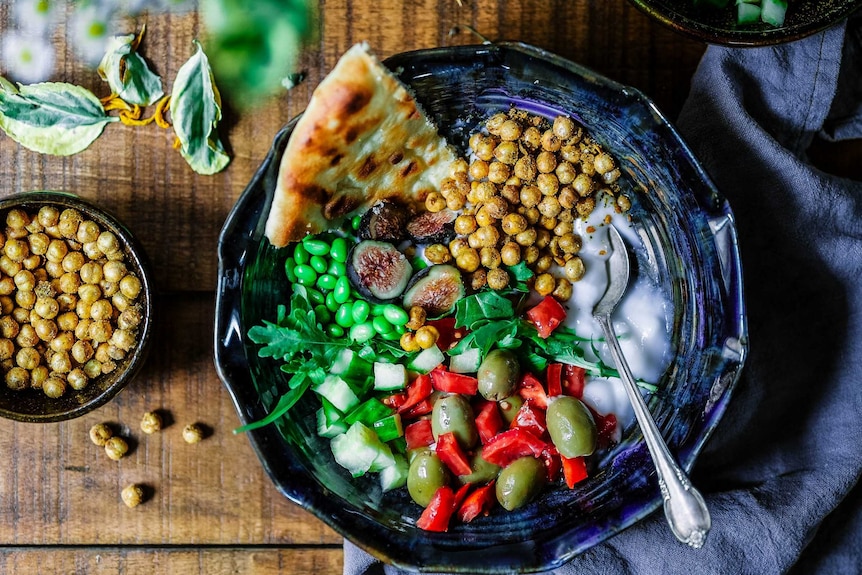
298 385
127 73
196 111
482 306
51 117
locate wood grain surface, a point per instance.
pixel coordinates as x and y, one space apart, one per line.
210 508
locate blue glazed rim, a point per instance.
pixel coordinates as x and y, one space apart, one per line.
693 249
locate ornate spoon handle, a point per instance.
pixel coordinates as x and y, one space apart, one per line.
684 506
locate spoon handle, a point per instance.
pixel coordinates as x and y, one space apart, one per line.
684 506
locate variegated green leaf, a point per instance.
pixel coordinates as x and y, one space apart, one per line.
127 73
51 117
195 113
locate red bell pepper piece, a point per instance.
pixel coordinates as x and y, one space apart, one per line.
449 334
417 390
512 444
436 516
451 382
488 420
480 502
530 418
419 434
553 465
573 380
424 407
574 470
531 388
451 454
606 426
546 316
554 379
461 494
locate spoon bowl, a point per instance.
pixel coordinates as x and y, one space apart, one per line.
684 506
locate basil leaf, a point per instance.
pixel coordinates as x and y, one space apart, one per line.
196 111
51 117
483 305
127 73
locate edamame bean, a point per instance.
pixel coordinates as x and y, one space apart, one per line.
344 315
360 311
322 314
315 297
289 264
361 332
336 269
395 314
316 247
318 264
330 302
356 222
391 336
342 289
377 309
335 330
381 326
305 275
300 255
338 250
326 282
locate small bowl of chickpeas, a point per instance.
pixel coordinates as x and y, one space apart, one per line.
75 306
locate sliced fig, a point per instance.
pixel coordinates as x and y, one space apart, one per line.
378 270
433 227
384 221
435 289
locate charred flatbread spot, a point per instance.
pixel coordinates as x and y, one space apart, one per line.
355 101
367 168
313 193
395 158
410 168
351 135
336 159
339 206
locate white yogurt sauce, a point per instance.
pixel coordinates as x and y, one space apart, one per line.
642 319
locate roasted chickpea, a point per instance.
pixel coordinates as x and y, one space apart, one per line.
585 206
101 310
563 227
498 279
54 269
588 165
563 290
46 329
25 299
571 153
570 243
488 236
483 192
100 331
108 242
457 247
624 203
56 251
530 254
531 138
93 368
456 201
132 495
543 264
130 318
82 351
437 254
25 280
483 217
494 123
612 176
9 267
459 166
116 448
28 358
583 185
532 214
47 307
7 286
89 293
526 168
27 336
479 169
527 237
69 283
7 348
511 193
417 317
92 250
109 288
193 433
550 141
60 362
507 153
498 172
38 376
490 257
77 379
543 238
544 284
48 216
564 127
16 250
546 162
17 378
510 131
465 225
574 269
479 279
88 231
468 260
426 336
54 386
9 328
566 173
548 184
603 163
510 254
408 342
151 422
513 224
549 207
497 207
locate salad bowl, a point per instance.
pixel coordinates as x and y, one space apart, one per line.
689 246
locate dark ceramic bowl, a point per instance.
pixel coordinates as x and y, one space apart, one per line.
34 406
718 25
691 249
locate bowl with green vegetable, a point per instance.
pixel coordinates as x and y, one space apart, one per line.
455 410
748 22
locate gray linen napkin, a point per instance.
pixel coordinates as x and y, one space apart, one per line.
789 448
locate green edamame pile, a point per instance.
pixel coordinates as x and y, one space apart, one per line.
320 264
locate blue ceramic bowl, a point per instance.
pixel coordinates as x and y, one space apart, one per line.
718 25
689 233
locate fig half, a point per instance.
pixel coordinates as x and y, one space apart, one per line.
435 289
378 271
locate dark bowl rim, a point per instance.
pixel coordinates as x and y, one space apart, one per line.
138 253
742 38
291 478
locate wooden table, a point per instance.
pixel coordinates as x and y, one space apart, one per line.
211 508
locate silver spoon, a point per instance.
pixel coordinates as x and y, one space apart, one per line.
684 506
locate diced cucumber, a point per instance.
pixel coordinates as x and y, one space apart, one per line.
328 426
467 362
359 450
747 13
772 11
350 366
336 390
368 412
389 376
426 360
395 475
389 427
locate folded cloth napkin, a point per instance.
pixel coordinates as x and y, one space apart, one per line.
789 448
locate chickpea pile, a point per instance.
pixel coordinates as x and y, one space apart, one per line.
68 303
517 201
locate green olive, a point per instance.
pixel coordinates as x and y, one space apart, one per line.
509 408
426 474
519 482
498 375
453 413
482 471
571 427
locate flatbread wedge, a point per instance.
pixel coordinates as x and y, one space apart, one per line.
361 139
